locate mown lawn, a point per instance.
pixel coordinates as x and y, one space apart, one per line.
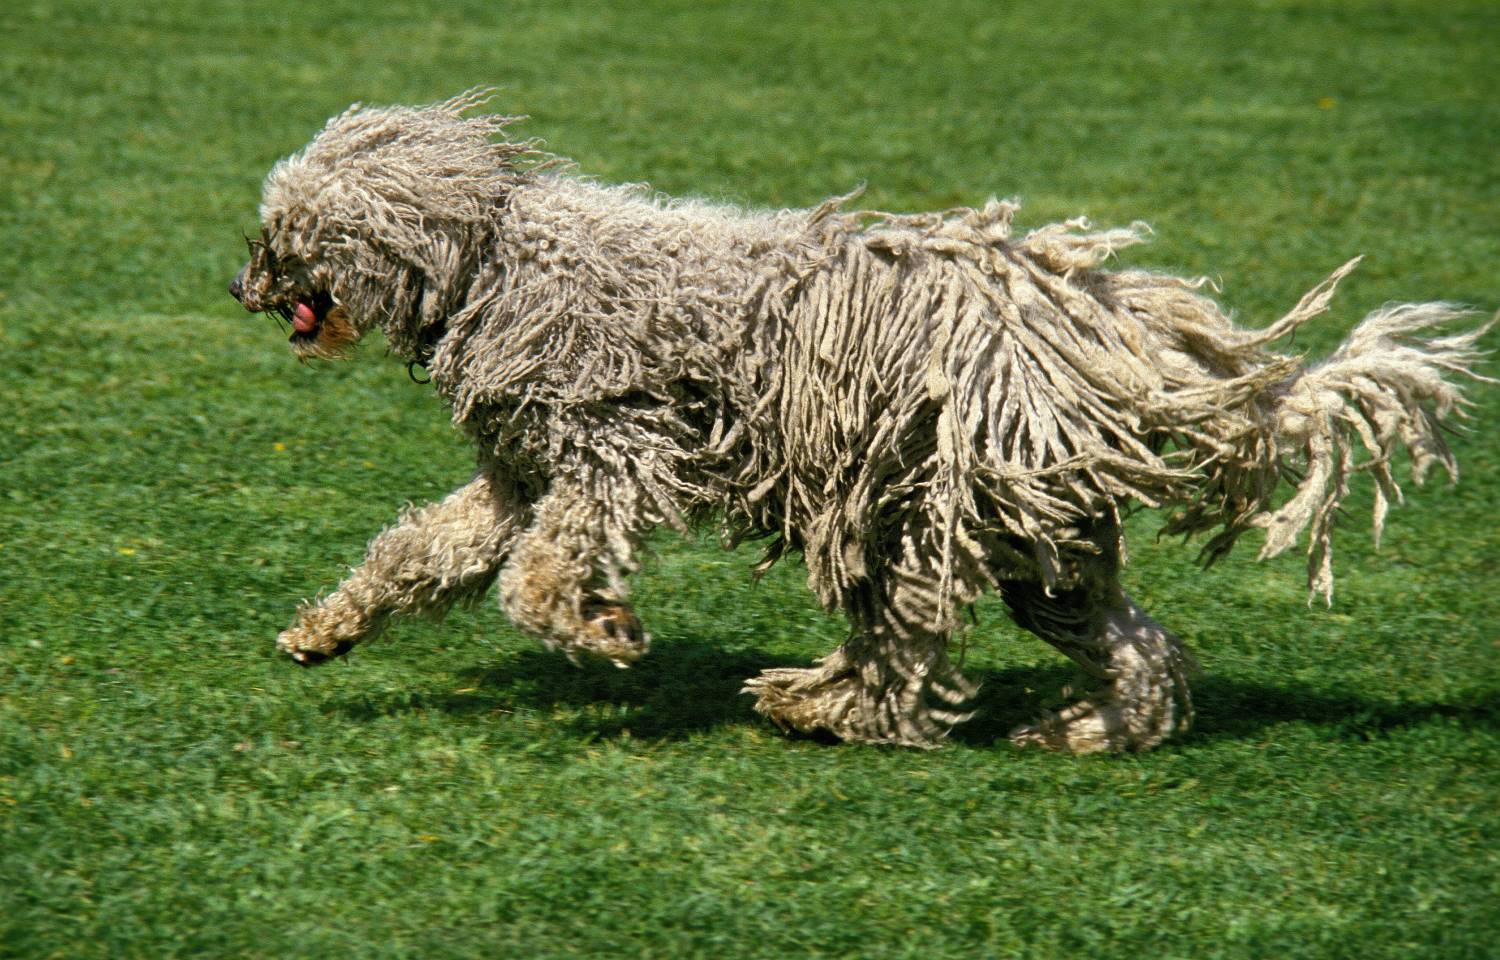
172 483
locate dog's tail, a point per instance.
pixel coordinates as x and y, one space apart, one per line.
1385 387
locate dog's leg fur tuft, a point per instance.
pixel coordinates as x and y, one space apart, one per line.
565 580
432 558
1141 668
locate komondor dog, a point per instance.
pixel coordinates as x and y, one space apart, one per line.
922 406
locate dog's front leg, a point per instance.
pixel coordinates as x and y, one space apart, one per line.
564 581
433 557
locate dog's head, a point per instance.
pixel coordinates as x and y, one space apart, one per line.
306 294
383 219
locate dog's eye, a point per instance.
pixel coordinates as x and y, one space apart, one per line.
263 252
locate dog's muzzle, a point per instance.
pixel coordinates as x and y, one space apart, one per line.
237 286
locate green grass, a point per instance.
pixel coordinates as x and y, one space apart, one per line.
171 483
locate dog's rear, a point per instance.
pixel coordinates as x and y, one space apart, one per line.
1021 396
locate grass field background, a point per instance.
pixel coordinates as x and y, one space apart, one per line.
172 483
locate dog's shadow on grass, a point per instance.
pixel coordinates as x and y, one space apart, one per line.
1232 709
682 687
688 686
1226 708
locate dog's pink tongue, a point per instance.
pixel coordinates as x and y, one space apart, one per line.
304 318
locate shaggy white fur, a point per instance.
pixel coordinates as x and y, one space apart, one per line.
922 406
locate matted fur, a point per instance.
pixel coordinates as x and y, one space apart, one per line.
923 406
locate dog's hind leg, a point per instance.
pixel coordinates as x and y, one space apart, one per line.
1142 668
564 581
433 557
891 682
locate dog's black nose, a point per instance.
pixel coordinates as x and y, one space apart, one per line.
237 287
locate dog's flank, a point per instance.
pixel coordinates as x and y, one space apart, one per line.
923 406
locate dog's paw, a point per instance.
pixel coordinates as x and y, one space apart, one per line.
1098 725
832 699
309 649
612 632
805 700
